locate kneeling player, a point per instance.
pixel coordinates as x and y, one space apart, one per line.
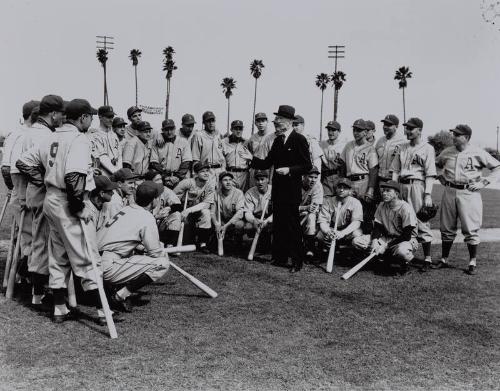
350 216
132 226
312 198
394 233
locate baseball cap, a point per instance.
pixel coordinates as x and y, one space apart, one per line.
261 173
147 191
168 123
29 106
236 123
51 103
198 166
333 125
208 115
391 185
150 174
78 107
224 174
414 123
298 119
313 170
359 124
106 111
260 116
188 119
118 121
124 174
144 125
462 129
104 183
391 119
133 109
369 125
345 182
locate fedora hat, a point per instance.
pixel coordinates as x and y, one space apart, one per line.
286 112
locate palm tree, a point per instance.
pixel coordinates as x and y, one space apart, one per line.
338 79
134 56
402 74
256 70
228 84
102 57
168 66
322 81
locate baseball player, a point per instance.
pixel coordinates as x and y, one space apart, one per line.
462 166
394 233
187 127
98 198
134 115
370 132
200 192
206 146
255 200
134 225
231 202
174 157
65 158
105 144
118 126
138 150
314 149
312 199
387 147
124 193
255 143
350 216
330 162
414 167
235 164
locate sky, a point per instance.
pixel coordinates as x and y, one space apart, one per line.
49 48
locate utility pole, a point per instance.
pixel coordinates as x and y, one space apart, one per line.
335 52
498 128
105 43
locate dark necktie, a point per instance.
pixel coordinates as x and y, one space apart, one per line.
280 141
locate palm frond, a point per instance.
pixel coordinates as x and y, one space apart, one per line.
134 56
322 81
338 79
256 68
228 84
102 56
168 62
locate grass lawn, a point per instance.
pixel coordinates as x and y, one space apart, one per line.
269 330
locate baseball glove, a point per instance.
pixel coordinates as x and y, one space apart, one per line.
427 212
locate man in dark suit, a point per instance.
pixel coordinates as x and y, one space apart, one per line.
290 157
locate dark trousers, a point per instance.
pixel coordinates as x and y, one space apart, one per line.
287 236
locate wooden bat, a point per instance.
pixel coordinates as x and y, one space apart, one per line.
180 249
195 281
331 253
356 268
257 234
181 231
220 238
10 253
102 295
4 208
15 259
71 291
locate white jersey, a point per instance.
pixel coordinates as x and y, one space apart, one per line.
387 149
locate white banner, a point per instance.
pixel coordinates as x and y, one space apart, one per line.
152 110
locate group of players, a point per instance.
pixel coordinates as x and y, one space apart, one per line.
121 193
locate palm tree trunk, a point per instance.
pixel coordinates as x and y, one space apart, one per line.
167 101
404 106
254 103
321 118
228 111
336 103
136 94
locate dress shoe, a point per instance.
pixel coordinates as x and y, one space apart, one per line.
71 315
120 304
471 270
426 265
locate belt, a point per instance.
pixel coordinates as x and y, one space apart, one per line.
329 172
408 181
214 166
382 179
357 177
237 169
459 186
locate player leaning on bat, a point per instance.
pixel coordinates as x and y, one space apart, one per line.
312 199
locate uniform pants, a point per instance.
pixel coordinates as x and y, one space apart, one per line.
309 225
19 193
118 270
348 240
171 223
402 251
465 205
413 193
201 219
67 247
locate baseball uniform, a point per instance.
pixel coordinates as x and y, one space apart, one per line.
106 149
387 149
138 155
315 151
208 148
166 219
172 155
232 209
358 160
330 163
188 187
311 196
234 163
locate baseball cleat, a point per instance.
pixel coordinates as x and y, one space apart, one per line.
440 265
120 304
71 315
471 270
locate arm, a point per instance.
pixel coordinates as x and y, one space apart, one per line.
75 189
303 158
349 229
106 164
7 178
404 237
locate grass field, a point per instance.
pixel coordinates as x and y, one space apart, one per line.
269 330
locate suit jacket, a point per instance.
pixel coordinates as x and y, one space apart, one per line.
295 155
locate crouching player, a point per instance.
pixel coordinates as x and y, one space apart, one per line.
350 216
394 232
255 200
132 226
231 202
312 198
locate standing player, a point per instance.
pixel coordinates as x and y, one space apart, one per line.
256 142
315 151
174 157
105 144
312 198
119 129
387 147
235 164
138 151
331 163
370 132
187 127
462 165
414 167
134 115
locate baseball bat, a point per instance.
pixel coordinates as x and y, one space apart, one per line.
180 249
220 238
10 253
257 233
100 288
356 268
181 231
71 291
15 259
195 281
331 253
4 208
